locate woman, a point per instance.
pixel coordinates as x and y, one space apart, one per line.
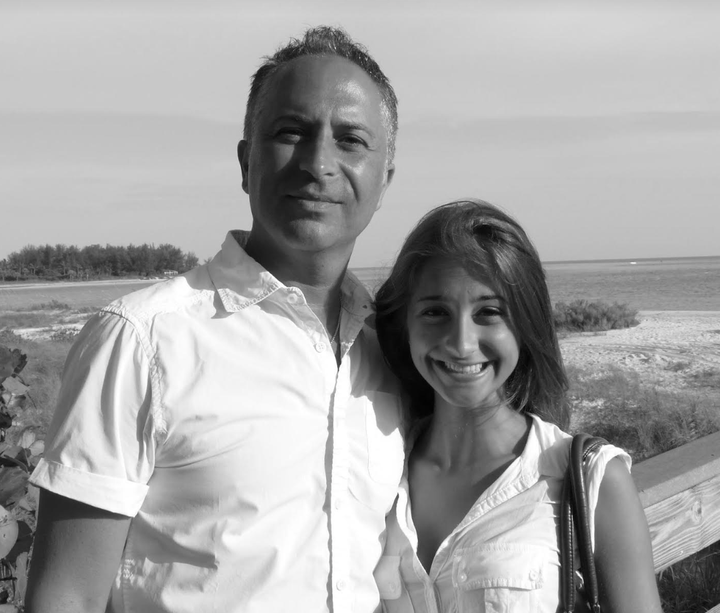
465 322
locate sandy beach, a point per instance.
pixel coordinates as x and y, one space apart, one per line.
667 349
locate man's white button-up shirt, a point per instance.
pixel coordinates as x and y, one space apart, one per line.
258 473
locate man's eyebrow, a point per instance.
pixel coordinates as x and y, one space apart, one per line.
304 120
353 125
296 117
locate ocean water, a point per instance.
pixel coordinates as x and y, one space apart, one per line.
667 284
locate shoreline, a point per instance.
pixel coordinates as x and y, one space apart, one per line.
47 284
680 313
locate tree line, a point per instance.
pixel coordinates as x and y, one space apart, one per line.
63 262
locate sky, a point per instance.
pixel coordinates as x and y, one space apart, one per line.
595 123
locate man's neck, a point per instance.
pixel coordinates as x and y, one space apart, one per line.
314 271
319 274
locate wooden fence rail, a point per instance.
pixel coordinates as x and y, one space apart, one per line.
680 492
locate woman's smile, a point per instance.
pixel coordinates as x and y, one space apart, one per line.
464 369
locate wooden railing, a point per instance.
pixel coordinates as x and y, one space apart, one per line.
680 492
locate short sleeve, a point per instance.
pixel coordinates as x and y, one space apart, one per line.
595 471
100 448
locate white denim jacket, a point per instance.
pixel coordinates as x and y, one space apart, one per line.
503 556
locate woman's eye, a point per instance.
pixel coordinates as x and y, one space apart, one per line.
433 312
489 313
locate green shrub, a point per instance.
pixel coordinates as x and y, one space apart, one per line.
22 319
678 366
64 334
709 377
53 305
586 316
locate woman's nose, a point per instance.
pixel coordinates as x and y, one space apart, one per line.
464 337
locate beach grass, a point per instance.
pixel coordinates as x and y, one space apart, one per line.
643 420
691 585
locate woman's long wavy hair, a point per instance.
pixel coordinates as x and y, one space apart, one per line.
492 247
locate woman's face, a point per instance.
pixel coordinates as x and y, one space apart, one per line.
460 336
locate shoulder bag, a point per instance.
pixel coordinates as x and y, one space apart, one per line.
574 520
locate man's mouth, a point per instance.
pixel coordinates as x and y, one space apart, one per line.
309 196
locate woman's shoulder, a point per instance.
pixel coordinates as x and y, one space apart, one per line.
554 451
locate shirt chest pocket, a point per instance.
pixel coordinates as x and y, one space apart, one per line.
386 453
380 452
500 579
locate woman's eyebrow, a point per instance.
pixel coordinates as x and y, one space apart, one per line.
481 298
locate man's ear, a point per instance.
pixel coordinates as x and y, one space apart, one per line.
389 174
243 153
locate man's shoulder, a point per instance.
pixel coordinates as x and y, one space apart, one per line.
191 288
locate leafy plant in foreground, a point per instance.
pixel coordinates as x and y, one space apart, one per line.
18 501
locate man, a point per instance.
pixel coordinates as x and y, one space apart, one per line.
229 440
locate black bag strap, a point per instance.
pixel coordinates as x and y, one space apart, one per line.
574 515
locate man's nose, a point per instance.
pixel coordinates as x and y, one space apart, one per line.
319 156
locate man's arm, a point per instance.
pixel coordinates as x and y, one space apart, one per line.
76 555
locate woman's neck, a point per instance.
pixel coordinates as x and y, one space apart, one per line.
462 439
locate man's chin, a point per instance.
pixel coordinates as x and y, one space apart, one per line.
308 235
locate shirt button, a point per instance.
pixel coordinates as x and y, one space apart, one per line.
462 578
292 298
533 575
320 347
340 585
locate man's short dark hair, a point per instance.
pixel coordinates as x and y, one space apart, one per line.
324 40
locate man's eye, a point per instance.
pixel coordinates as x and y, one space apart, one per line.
351 141
289 135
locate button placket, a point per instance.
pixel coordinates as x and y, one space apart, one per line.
340 527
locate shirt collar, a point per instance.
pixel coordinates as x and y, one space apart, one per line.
549 448
241 281
238 279
540 455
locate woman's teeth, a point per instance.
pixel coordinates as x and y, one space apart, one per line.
471 369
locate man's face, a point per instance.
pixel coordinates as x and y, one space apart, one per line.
316 167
